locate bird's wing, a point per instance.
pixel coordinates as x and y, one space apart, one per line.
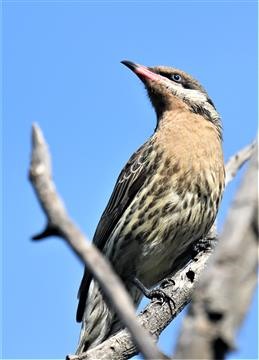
130 180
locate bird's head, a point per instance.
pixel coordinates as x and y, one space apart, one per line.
166 86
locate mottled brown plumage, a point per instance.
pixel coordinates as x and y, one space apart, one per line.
165 198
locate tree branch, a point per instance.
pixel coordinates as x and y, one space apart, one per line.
224 293
237 161
156 316
60 224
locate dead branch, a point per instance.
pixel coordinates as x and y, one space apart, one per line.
237 161
224 293
60 224
156 316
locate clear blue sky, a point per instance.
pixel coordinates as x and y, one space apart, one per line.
62 69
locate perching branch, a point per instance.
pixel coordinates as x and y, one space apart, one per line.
224 293
60 224
156 317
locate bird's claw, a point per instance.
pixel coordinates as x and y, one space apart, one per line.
160 297
200 246
166 283
155 294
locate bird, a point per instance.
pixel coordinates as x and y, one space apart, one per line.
165 199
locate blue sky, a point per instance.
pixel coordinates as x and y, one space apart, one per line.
62 69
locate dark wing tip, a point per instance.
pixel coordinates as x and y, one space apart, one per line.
82 295
80 311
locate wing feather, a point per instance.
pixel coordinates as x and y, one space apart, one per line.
129 182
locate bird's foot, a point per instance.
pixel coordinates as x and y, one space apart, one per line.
200 246
154 294
166 283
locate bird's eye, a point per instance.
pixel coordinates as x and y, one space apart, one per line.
176 77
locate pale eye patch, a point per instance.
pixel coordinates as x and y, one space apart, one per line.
192 95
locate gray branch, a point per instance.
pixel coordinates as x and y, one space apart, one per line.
224 292
236 161
60 224
156 316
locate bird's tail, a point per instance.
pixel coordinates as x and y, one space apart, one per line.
99 321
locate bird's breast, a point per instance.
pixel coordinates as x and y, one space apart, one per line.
174 208
176 205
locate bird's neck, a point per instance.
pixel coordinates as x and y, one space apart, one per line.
180 114
190 136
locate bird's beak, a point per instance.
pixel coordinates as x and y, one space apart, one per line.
141 71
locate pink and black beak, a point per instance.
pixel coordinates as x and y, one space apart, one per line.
152 81
143 72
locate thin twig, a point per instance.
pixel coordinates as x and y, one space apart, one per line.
60 224
237 161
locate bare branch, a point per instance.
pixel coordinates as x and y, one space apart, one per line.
156 316
237 161
60 224
224 293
